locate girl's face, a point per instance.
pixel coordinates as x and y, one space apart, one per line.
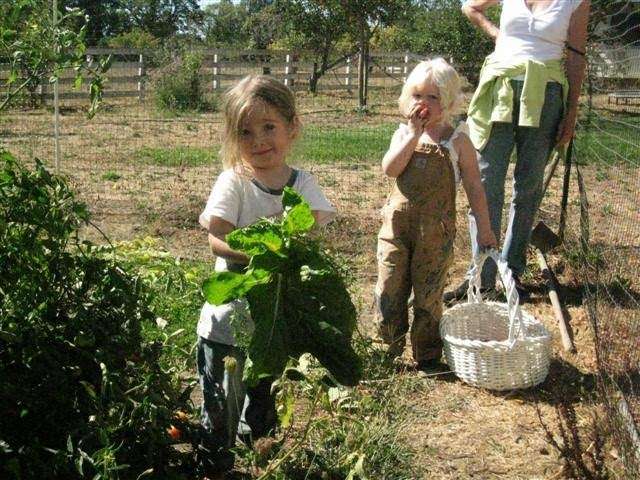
427 96
265 137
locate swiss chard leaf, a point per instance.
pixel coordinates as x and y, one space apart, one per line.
223 287
298 219
291 198
269 349
263 236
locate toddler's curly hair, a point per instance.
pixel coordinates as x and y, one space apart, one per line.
444 76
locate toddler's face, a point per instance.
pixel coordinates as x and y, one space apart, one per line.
427 96
265 137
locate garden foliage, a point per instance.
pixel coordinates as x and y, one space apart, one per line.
296 294
37 49
82 395
178 86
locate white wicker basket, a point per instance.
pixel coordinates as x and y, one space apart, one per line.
494 345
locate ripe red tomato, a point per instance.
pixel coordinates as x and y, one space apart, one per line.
174 432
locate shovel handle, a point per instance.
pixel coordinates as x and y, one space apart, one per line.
567 343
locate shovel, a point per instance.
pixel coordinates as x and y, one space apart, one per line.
544 239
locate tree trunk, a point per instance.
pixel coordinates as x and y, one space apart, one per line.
313 79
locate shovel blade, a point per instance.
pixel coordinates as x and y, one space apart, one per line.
543 238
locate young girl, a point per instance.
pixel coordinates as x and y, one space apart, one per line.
260 127
427 157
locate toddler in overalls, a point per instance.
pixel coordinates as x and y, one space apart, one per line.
427 157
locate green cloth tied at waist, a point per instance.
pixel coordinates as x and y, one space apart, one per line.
493 99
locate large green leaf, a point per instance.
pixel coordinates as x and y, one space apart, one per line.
298 220
291 198
273 340
257 238
223 287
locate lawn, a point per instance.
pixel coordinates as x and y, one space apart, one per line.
606 139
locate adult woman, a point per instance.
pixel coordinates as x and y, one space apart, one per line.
527 98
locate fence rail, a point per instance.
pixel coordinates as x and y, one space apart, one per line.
129 78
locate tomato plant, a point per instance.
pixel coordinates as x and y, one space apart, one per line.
84 394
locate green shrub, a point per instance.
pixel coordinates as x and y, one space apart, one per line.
82 394
136 38
178 87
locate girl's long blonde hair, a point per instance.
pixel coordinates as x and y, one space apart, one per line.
444 76
239 99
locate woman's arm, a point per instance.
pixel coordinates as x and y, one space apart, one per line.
218 230
402 146
474 10
575 64
470 173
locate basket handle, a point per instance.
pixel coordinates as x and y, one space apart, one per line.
506 277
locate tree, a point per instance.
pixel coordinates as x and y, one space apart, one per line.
442 29
316 28
106 18
364 17
162 18
321 24
223 23
38 47
262 23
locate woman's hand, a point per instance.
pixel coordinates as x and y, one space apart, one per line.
487 239
567 127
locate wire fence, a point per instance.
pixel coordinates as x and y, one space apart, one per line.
608 144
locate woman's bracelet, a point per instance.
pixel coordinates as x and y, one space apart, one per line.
575 50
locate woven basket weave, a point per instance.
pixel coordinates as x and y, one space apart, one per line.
494 345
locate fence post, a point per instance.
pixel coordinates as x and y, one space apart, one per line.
287 70
405 68
140 78
347 72
215 71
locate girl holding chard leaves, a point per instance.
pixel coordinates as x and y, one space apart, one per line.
261 125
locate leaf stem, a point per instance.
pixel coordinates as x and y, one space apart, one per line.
277 307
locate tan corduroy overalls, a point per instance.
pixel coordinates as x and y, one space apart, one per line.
415 250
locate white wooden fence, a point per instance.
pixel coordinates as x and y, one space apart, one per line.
130 73
124 79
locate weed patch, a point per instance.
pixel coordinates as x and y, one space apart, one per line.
175 294
342 145
111 176
336 432
176 157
